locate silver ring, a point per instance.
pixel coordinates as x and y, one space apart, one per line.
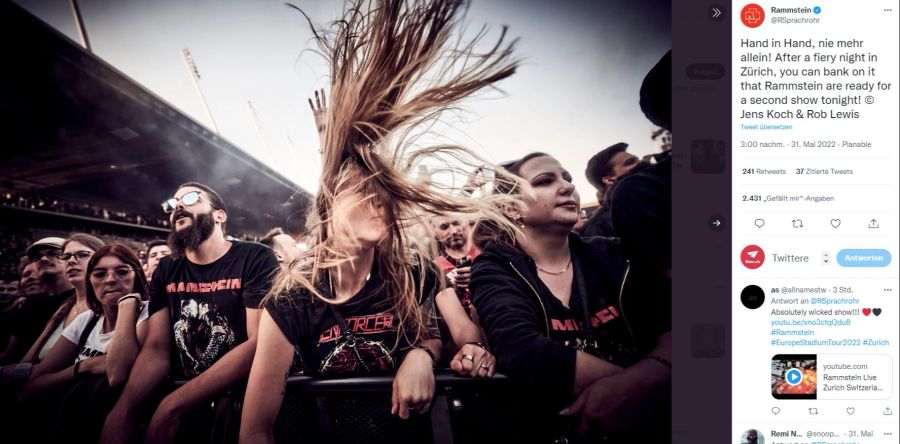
469 357
485 366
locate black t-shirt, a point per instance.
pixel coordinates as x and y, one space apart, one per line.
613 343
206 302
310 324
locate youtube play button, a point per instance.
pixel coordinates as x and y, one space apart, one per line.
753 257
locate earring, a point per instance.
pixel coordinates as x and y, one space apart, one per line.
520 222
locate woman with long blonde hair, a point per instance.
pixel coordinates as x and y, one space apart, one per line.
359 301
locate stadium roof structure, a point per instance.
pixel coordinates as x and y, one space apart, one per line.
76 127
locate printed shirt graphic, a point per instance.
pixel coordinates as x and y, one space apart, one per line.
366 352
567 325
207 302
311 326
97 343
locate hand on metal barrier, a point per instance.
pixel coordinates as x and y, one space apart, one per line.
474 360
413 387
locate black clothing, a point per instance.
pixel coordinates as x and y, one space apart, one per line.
83 409
206 302
641 206
599 224
533 335
642 215
32 317
656 93
311 326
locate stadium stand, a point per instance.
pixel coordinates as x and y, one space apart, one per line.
94 145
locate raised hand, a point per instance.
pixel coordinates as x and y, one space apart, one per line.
318 110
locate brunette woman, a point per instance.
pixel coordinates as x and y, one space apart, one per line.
550 303
102 342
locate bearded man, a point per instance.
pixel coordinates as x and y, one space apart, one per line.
204 301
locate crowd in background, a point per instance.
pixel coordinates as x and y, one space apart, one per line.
35 200
391 277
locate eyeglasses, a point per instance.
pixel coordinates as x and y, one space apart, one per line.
50 253
80 255
188 199
119 273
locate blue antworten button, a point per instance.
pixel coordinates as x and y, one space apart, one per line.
864 258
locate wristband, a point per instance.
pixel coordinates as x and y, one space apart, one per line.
127 296
480 344
661 360
22 371
77 365
430 354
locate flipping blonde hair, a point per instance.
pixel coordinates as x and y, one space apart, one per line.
394 71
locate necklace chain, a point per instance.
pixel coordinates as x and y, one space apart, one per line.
78 310
556 273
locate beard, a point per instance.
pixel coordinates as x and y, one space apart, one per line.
190 238
52 275
455 242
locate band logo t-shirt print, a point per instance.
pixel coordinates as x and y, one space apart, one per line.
311 325
207 302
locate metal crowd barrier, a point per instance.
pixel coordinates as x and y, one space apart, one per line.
357 410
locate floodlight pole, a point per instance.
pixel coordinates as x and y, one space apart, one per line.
259 133
79 24
292 150
195 77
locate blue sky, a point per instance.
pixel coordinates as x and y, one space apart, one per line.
575 94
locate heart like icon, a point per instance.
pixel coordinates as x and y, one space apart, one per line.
867 311
835 223
876 311
850 410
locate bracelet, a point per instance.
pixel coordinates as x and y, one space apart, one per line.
430 353
127 296
661 360
480 344
77 366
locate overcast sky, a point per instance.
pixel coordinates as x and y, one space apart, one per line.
575 94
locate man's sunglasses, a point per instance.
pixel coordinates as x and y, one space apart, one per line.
80 255
188 199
